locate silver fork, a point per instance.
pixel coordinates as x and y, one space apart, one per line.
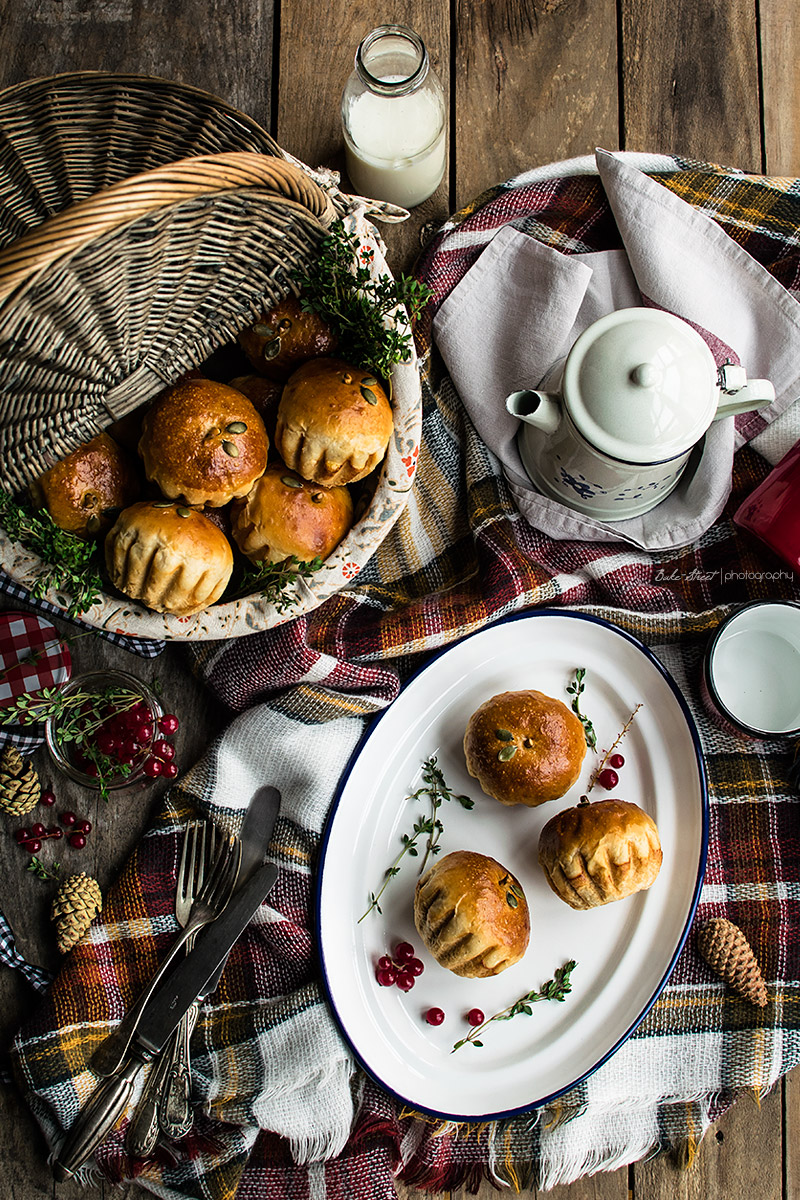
210 900
195 855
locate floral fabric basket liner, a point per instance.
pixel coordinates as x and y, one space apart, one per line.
206 182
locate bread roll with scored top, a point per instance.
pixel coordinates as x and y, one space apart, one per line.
284 515
596 853
334 422
524 747
84 491
285 337
472 914
169 557
203 443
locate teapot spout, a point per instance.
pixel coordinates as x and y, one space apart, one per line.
540 409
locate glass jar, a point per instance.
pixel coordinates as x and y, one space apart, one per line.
394 119
110 755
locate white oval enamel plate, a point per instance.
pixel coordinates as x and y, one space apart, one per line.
624 951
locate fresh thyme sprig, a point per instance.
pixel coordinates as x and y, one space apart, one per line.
76 717
435 788
361 309
557 988
37 868
67 561
601 764
272 580
576 689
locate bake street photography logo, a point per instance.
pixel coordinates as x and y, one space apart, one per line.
696 574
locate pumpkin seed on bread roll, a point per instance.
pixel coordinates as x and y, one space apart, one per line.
285 516
334 422
599 852
203 443
169 557
472 914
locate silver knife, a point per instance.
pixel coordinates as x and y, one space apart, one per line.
170 1000
174 1110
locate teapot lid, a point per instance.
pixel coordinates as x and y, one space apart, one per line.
641 385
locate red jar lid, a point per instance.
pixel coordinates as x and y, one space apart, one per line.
32 657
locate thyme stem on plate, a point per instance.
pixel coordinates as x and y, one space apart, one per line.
596 772
576 689
557 988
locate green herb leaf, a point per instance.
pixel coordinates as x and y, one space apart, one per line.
557 988
575 690
68 563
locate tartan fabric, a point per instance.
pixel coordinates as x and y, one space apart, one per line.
459 557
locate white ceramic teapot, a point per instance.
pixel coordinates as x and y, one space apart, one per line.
638 390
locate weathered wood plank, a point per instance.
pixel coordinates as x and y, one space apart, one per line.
308 117
690 79
780 51
222 46
535 82
791 1142
603 1186
739 1158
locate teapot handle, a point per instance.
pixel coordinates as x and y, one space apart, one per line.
756 394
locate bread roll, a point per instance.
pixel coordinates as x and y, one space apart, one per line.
285 515
203 443
265 396
596 853
169 557
524 747
472 914
79 491
285 337
334 422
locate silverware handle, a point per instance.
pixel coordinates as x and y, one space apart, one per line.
110 1054
96 1119
143 1131
175 1110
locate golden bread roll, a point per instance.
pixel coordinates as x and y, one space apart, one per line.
169 557
285 337
524 747
203 443
265 396
596 853
472 914
334 422
79 491
284 515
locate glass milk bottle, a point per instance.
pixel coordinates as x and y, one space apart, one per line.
394 119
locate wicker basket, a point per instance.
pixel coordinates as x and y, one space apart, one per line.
142 225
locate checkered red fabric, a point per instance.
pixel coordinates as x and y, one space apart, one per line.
32 656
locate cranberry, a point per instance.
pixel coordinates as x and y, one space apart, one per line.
144 733
386 976
33 846
82 827
92 770
129 750
384 963
55 832
68 818
404 952
405 980
106 742
153 767
434 1016
164 749
38 830
617 761
23 835
169 770
77 840
415 966
168 724
48 798
608 778
475 1017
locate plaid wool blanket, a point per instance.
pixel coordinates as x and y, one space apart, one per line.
282 1109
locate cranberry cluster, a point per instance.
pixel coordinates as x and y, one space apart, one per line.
400 971
608 777
31 839
128 739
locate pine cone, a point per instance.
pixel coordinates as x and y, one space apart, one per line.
19 783
728 952
74 907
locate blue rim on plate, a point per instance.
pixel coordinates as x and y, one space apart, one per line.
328 955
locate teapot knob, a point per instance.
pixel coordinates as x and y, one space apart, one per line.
646 375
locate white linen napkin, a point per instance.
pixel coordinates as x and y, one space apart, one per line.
511 320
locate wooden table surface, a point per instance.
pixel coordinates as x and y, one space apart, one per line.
529 82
